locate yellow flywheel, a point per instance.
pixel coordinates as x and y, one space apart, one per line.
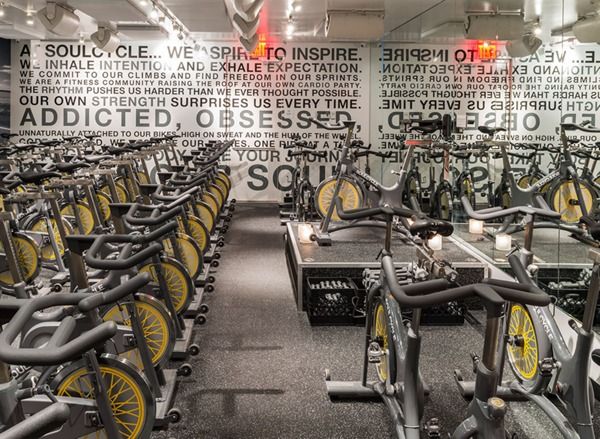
46 250
190 251
28 259
154 326
523 350
177 286
349 193
85 215
126 399
381 336
565 201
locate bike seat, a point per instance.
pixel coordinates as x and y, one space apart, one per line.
96 158
112 150
490 131
427 228
70 167
91 136
50 142
7 135
424 129
36 177
71 138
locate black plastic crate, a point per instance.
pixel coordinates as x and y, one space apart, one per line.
334 305
450 314
571 299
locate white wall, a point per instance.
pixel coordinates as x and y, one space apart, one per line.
146 89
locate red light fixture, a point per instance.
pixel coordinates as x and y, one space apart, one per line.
487 51
261 48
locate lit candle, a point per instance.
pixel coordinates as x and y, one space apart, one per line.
435 243
305 231
475 226
503 242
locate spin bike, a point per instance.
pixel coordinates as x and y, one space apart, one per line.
531 195
548 372
349 183
394 346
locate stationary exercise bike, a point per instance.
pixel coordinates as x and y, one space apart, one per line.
531 196
350 182
548 372
393 346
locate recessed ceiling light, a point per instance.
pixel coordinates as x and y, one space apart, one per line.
154 14
29 20
2 12
537 30
143 2
297 6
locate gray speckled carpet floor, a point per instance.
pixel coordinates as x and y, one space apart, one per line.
261 367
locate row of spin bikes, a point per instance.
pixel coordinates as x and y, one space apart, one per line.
520 324
105 255
570 186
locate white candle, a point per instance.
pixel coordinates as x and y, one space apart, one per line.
475 226
503 242
305 231
435 243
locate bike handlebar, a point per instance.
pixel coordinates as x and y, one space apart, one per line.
93 259
581 127
156 218
330 127
112 296
40 423
499 212
435 292
58 350
367 212
421 225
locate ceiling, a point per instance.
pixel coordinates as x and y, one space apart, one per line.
405 20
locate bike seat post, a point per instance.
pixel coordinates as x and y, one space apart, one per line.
388 233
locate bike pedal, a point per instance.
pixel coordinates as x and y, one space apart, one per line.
374 353
547 366
432 428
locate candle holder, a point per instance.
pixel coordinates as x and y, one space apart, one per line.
435 243
503 242
305 233
475 227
